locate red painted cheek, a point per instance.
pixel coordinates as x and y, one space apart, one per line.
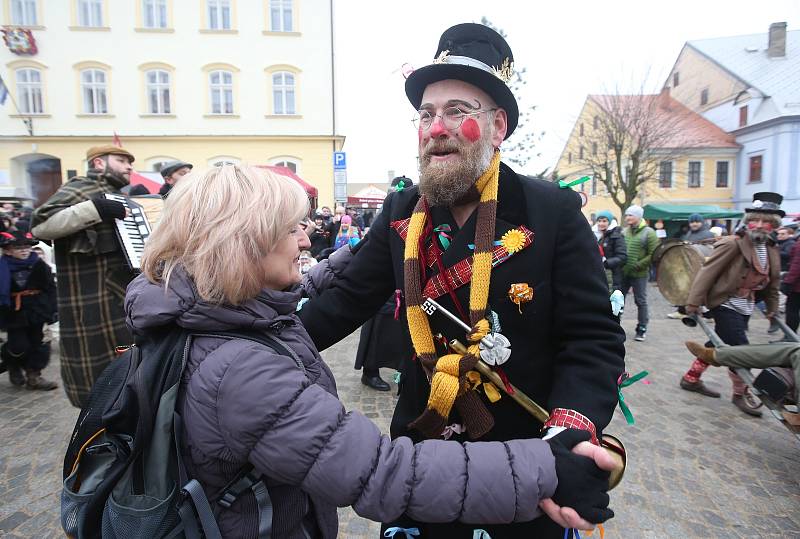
471 130
419 134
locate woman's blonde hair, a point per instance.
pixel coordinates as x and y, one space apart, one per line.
219 224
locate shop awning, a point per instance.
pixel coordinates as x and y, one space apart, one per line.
370 197
283 171
152 180
681 212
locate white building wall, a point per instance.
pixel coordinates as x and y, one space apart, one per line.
780 146
187 49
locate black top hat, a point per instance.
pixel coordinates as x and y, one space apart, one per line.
475 54
172 166
766 202
17 237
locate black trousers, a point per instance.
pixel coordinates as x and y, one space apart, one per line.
732 329
24 348
793 310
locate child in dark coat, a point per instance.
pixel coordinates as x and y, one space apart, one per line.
27 303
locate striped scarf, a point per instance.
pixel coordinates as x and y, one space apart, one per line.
449 384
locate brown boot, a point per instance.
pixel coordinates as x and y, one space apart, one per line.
35 381
698 387
706 355
792 418
15 375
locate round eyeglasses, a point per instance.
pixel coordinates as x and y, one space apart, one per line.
452 118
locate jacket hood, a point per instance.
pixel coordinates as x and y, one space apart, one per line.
152 305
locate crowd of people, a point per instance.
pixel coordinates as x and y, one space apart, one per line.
235 250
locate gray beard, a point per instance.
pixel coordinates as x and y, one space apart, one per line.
445 184
757 236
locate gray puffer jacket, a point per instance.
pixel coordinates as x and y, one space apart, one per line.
241 402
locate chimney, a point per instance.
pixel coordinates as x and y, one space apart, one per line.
777 40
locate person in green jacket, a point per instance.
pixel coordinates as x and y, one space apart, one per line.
641 241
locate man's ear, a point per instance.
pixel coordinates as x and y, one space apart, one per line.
500 124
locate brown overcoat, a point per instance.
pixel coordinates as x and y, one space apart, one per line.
725 270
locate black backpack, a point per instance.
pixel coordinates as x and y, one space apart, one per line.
123 472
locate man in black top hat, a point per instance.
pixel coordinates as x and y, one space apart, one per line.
740 267
172 172
544 288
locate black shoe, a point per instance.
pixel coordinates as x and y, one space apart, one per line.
375 382
15 375
641 332
738 401
698 387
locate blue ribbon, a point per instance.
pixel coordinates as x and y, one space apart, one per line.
409 532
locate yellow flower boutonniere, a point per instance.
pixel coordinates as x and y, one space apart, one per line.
513 241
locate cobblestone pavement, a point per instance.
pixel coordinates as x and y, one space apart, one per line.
698 467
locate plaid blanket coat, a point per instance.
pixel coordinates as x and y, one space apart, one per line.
93 274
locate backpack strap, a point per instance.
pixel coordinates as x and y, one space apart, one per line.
204 512
246 479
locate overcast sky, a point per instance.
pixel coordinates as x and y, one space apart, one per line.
570 49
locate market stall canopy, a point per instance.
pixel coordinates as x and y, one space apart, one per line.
681 212
284 171
370 197
152 180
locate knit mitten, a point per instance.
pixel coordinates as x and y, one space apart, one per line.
109 209
581 484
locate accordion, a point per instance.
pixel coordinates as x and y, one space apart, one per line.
133 231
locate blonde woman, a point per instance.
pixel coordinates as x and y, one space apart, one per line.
226 256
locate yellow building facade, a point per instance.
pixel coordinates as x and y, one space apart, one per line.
690 175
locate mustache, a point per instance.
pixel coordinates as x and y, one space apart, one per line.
441 146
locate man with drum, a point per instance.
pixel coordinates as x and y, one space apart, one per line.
92 270
739 267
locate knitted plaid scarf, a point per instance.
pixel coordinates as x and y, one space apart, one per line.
449 384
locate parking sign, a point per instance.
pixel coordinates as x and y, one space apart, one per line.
339 160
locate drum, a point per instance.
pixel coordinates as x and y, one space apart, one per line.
677 265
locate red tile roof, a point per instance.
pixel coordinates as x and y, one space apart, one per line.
668 123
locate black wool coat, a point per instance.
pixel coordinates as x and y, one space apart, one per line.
567 348
616 253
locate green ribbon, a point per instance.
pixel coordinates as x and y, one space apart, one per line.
564 184
627 381
444 237
400 186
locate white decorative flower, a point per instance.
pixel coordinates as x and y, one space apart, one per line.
757 203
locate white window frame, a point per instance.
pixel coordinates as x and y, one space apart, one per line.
23 12
216 10
688 175
223 89
30 93
671 174
90 13
154 14
728 175
278 12
162 88
287 162
95 90
281 91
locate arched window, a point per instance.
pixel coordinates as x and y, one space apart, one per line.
283 93
288 162
29 91
157 88
219 160
94 89
221 87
